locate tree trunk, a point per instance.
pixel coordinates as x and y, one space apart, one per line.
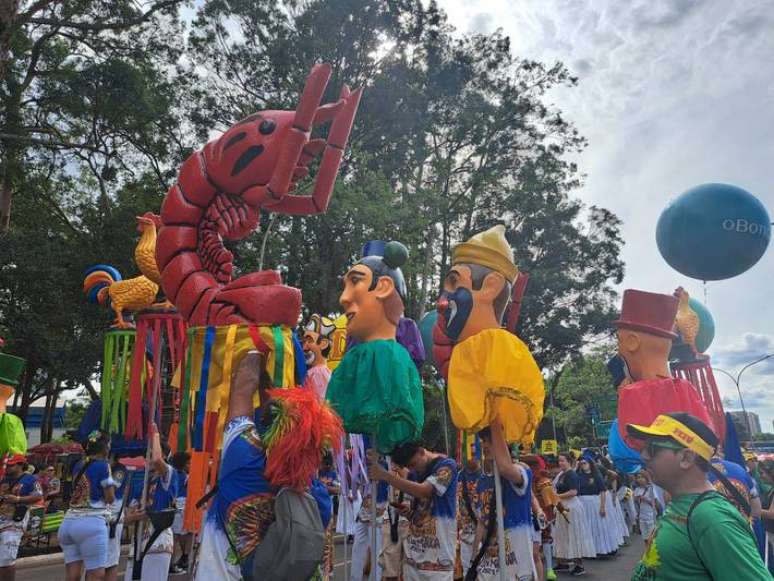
5 207
427 271
45 421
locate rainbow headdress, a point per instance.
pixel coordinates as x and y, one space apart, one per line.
213 355
301 429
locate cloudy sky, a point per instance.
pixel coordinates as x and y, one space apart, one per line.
672 93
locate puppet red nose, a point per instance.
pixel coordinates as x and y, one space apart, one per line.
442 305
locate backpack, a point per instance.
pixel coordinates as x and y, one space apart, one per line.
293 546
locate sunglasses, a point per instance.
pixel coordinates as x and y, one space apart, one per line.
654 446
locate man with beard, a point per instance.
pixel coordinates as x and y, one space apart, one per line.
492 378
491 373
317 345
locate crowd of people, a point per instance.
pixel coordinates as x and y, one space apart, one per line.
435 518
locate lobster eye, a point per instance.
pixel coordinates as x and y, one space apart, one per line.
267 126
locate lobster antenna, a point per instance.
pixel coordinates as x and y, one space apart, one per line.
265 238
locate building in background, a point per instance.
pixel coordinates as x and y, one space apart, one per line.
747 424
35 419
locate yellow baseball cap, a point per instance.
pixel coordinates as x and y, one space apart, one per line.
683 428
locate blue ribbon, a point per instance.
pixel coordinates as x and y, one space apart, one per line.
201 396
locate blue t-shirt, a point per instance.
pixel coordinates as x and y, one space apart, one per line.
567 481
589 484
121 477
89 490
25 485
319 492
244 503
162 491
182 484
517 500
432 537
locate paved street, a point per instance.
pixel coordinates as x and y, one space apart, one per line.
617 569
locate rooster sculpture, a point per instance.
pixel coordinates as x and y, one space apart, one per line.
687 322
104 285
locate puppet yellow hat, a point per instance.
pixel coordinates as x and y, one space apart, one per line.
490 249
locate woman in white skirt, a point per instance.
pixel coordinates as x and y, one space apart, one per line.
572 538
592 493
612 506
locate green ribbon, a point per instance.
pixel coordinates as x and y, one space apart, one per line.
279 356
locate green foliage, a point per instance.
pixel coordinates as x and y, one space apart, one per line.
100 103
74 414
584 393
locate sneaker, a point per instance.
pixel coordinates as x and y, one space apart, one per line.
176 570
550 575
577 571
562 568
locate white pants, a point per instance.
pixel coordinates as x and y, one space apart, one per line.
211 564
114 547
155 567
466 555
10 539
360 550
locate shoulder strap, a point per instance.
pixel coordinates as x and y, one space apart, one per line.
733 491
697 501
81 472
490 530
468 505
701 498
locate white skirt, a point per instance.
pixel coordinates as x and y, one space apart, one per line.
619 511
573 539
613 510
602 529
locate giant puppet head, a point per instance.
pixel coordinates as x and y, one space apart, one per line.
645 334
317 340
476 291
374 291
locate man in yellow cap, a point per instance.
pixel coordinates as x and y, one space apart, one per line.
701 535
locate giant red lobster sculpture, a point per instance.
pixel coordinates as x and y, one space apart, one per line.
220 192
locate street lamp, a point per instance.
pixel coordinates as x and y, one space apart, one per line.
738 389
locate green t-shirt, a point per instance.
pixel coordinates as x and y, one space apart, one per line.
723 546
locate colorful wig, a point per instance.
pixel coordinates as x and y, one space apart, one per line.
302 428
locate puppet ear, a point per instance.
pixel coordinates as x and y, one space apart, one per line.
494 282
385 286
628 341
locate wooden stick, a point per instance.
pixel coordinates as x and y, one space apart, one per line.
374 493
500 526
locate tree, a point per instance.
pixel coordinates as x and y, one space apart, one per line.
584 395
74 89
89 137
452 136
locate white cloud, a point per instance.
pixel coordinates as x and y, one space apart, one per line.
672 93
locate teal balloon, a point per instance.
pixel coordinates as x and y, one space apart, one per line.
713 232
426 331
706 325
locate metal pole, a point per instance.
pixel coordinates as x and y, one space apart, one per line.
374 494
152 419
442 384
500 526
738 387
344 501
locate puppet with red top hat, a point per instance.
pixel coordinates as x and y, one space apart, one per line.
645 335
